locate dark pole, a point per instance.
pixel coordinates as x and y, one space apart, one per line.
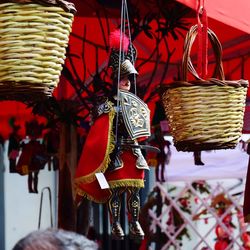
66 205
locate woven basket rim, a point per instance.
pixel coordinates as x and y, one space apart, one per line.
207 83
67 6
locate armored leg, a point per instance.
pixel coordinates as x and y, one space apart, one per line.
114 209
135 230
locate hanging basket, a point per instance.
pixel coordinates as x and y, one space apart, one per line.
33 39
204 114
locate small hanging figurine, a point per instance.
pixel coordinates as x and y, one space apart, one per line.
33 157
112 147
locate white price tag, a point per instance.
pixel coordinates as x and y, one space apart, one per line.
102 180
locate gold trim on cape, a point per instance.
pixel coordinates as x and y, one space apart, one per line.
126 183
83 194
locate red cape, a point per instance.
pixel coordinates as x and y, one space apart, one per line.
99 143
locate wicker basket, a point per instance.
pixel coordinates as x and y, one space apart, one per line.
33 40
204 114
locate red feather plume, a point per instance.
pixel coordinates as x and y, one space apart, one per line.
114 40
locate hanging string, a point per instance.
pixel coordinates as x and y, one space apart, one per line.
130 44
202 39
121 56
124 16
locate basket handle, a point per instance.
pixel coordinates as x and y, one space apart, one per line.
187 65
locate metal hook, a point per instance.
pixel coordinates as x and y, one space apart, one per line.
41 204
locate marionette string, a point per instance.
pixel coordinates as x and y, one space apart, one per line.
121 54
124 16
130 44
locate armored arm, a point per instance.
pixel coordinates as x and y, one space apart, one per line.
103 107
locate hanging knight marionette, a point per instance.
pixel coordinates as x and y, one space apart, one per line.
112 146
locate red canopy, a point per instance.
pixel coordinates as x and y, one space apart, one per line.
230 12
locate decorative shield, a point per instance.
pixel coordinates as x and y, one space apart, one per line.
136 115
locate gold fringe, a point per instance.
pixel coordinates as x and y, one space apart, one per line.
113 184
127 183
104 165
89 197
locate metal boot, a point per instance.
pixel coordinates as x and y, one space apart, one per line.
135 230
114 209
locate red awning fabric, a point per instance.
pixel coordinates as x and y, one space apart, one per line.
231 12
